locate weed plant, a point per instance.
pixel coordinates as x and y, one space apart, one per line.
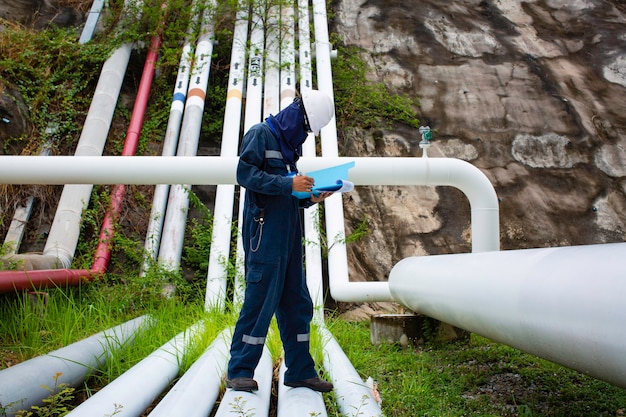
362 102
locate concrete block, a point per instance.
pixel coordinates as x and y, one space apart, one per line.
412 329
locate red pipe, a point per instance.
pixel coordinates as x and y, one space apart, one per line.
27 280
103 251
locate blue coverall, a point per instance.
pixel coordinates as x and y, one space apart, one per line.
272 239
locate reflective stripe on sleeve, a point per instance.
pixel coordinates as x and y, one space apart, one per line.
269 154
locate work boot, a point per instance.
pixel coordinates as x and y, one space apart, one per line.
316 384
242 384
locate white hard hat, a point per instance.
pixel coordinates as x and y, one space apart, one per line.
319 109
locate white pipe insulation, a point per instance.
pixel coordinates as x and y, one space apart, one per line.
251 403
24 385
133 391
170 143
217 271
563 304
195 393
173 234
350 390
252 116
65 228
221 170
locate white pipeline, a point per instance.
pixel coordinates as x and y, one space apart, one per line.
65 229
312 249
195 393
350 391
252 116
221 170
170 143
92 21
298 401
133 391
24 385
217 271
287 56
247 403
564 304
173 233
271 75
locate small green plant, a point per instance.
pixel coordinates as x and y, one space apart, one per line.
239 407
6 261
365 103
199 235
58 404
360 231
118 408
524 411
357 409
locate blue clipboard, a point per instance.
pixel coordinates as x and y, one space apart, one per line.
331 179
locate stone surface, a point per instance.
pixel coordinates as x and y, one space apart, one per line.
39 13
412 329
530 92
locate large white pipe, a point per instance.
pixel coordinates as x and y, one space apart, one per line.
312 249
298 401
323 53
65 228
350 391
221 170
216 169
287 56
564 304
24 385
271 75
133 391
92 21
172 243
217 271
340 287
251 403
195 393
252 116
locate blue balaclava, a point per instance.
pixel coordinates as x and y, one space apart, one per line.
288 124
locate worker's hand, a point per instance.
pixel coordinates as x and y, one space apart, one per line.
321 197
302 183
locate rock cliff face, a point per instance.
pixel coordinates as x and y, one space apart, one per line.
531 92
39 13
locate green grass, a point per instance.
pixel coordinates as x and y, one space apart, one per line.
478 378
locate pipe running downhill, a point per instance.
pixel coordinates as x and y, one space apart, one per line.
563 304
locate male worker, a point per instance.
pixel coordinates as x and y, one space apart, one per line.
272 239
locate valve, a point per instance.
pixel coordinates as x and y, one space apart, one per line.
427 136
